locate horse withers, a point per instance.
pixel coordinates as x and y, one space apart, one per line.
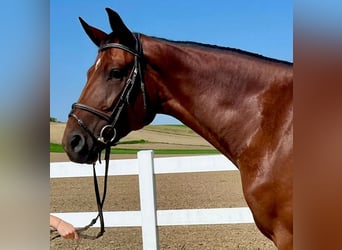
240 102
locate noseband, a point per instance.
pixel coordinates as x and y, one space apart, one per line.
108 132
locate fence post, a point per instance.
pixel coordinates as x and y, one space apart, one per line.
148 200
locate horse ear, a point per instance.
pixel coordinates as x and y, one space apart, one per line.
96 35
118 26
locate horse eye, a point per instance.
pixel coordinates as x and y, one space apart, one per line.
116 74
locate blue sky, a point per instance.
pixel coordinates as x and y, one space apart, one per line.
263 27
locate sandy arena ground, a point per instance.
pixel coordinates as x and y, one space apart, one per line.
174 191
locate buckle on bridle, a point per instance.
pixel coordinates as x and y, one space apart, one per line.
107 134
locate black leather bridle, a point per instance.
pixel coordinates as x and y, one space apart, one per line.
112 119
113 116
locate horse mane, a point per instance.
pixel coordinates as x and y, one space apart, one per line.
223 49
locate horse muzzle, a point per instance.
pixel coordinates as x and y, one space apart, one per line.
82 144
78 147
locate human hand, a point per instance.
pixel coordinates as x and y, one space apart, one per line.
66 230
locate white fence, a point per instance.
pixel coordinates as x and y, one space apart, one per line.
149 217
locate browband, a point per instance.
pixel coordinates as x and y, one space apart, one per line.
119 46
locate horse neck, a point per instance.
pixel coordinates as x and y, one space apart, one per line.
216 93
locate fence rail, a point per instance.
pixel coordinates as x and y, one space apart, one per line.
146 166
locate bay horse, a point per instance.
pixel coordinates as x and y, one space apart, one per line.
239 101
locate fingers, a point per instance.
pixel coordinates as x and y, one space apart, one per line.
67 231
76 237
71 235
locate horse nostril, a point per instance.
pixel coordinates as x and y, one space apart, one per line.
77 143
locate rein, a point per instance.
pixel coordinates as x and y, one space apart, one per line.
99 201
110 129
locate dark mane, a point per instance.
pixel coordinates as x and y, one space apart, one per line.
223 49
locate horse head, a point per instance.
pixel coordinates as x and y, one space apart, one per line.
113 101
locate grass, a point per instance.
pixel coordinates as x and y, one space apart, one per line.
142 141
136 144
57 148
